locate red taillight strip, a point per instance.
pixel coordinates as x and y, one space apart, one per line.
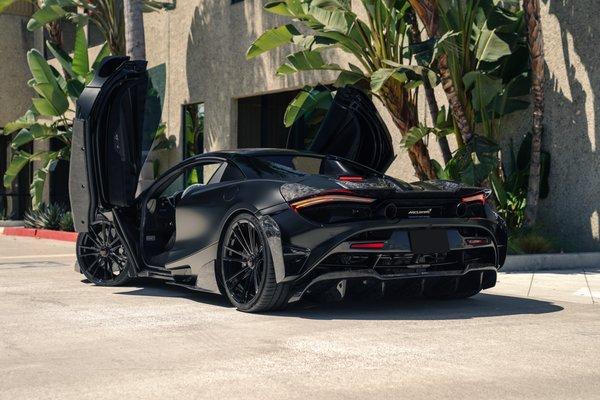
351 178
477 241
368 246
330 198
477 197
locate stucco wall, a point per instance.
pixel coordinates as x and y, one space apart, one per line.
15 41
203 43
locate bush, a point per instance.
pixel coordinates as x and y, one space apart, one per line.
529 243
66 222
52 216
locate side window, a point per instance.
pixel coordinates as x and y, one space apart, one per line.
201 175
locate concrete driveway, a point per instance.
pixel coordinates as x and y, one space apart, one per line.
533 336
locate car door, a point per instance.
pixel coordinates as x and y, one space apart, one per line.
352 128
108 145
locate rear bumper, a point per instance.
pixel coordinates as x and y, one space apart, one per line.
302 250
472 278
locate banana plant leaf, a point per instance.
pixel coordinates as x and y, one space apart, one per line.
23 122
271 39
51 10
305 102
402 73
474 162
53 101
490 47
305 61
81 62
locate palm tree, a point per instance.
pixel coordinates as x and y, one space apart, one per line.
536 53
427 10
380 48
134 29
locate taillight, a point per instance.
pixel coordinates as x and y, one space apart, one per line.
368 246
472 206
479 198
347 178
301 196
330 198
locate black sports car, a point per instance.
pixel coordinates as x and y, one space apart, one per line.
266 226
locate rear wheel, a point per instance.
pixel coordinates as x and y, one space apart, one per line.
246 267
101 255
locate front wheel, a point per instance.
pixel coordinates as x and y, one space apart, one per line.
101 255
246 267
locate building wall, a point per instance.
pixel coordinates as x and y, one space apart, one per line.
16 40
203 42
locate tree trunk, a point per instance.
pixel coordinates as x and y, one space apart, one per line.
404 116
55 33
536 52
134 29
54 30
456 106
427 12
432 104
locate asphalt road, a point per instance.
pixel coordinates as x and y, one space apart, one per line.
533 336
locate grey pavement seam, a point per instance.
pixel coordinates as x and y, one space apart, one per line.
587 282
530 283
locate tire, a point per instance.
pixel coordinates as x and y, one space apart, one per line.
245 267
101 255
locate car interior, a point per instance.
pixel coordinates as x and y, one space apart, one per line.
159 230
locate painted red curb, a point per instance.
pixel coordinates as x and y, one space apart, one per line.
41 234
11 231
56 235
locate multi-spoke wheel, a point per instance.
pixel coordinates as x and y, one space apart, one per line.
246 268
101 255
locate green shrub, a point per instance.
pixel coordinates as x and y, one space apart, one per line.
529 243
66 222
51 216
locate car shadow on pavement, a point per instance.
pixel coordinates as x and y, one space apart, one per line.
480 306
154 288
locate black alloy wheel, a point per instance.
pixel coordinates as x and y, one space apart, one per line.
101 255
247 274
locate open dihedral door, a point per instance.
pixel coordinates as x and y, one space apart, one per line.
107 150
352 128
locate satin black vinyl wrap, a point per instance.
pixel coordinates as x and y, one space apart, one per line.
306 244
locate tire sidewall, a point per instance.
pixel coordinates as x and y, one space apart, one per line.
268 262
119 280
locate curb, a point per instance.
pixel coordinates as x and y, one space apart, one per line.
10 222
551 262
40 233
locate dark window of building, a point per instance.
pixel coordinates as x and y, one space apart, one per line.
15 200
95 36
260 120
193 129
58 183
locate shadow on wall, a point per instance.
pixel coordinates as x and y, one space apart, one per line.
218 72
572 123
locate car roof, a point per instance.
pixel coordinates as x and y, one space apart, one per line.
264 152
